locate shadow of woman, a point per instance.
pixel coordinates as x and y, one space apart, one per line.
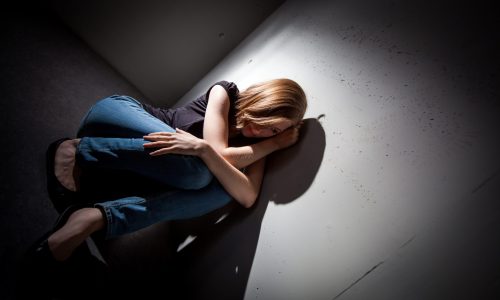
210 257
216 263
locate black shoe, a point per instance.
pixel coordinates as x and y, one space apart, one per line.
60 196
50 277
40 252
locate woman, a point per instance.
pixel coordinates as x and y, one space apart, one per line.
196 161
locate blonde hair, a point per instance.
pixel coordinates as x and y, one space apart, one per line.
270 102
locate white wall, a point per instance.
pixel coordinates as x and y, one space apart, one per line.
408 93
163 47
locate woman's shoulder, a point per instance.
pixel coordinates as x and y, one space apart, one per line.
200 104
230 87
226 84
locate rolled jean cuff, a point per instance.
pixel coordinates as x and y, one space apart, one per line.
117 220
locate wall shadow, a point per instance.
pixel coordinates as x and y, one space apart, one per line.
216 264
291 172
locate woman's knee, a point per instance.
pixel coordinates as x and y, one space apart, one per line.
89 123
119 116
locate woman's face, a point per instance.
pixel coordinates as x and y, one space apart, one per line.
256 131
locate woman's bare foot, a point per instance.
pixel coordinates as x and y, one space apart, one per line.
80 225
65 168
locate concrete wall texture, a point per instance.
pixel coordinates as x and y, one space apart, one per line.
406 94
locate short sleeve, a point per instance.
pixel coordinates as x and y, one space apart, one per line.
230 87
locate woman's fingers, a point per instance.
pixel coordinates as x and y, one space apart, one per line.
179 142
157 136
161 133
157 144
287 137
154 138
161 151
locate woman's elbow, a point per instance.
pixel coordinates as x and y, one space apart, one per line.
249 200
226 154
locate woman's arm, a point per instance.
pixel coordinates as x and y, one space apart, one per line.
224 161
244 156
244 188
216 132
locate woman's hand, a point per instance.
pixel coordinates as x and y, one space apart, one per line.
178 142
286 138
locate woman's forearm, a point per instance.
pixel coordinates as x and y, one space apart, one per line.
241 157
241 187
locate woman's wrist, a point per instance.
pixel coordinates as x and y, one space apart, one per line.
273 144
203 149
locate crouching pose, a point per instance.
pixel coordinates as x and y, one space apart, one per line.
188 149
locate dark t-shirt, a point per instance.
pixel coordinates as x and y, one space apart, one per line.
191 116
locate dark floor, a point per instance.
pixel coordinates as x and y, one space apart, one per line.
49 78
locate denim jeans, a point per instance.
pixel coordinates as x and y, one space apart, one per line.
112 139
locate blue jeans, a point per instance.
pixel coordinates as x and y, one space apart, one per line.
112 139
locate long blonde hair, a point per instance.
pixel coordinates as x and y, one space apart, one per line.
270 102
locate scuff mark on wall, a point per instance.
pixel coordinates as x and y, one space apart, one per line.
358 280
